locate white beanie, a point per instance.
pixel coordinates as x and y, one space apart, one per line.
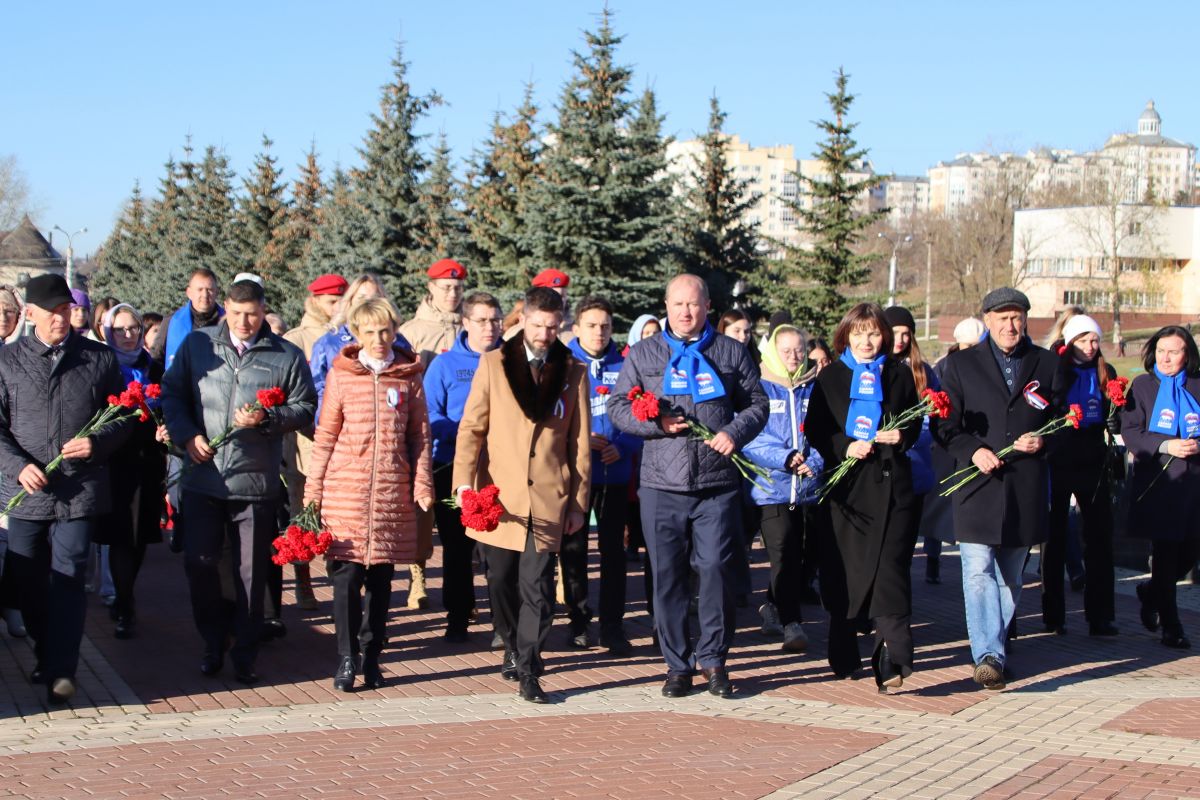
1078 325
968 331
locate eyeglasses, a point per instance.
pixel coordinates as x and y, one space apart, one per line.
132 330
493 321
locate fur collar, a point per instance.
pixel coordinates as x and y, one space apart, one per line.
537 402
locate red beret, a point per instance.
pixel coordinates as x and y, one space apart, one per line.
447 268
552 279
329 284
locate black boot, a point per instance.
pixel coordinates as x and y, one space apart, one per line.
372 675
343 679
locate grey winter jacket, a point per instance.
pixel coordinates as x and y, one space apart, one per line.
43 405
682 463
208 382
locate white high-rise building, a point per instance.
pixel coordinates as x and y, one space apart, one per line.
1159 166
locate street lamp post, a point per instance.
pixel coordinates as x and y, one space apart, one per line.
895 243
928 283
70 276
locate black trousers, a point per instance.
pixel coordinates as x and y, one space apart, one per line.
1093 492
9 596
48 560
355 587
125 562
611 504
1172 562
521 586
783 536
249 528
458 575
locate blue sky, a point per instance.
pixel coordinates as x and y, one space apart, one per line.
100 94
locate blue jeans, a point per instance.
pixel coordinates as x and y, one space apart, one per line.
992 578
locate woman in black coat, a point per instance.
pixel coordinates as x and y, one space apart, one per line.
1080 466
865 569
1160 425
138 471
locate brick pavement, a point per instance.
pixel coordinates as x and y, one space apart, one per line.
1122 702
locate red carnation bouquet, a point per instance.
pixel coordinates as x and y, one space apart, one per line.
130 404
933 404
480 510
264 399
1069 420
303 540
645 406
1116 390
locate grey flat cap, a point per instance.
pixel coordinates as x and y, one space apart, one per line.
1004 297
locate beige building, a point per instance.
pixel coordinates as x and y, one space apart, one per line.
1156 165
1064 256
904 196
25 253
770 174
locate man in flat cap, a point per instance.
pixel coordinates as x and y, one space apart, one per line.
324 293
51 384
999 391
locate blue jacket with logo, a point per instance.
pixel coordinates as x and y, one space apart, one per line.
782 434
327 348
603 371
447 384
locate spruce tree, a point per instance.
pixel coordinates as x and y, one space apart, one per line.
810 282
127 257
261 216
343 224
292 242
593 213
500 177
388 187
164 279
209 225
716 239
442 232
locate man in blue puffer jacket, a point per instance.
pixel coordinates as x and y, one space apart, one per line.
447 384
613 452
788 502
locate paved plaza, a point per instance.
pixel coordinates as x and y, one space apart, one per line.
1086 717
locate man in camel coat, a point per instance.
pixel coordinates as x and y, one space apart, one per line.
526 429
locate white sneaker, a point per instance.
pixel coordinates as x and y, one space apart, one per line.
771 625
795 640
15 624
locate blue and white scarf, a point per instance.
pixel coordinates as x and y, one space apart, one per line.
1085 393
866 396
1176 413
688 371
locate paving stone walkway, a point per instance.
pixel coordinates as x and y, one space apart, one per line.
1086 717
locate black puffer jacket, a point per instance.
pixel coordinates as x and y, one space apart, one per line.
44 404
682 463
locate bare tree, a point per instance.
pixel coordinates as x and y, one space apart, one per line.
14 193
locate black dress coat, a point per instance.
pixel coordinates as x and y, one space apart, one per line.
1170 509
1009 507
872 508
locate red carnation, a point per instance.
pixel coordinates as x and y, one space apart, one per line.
644 404
481 510
1062 348
269 398
602 390
939 403
113 400
1115 389
153 391
1075 415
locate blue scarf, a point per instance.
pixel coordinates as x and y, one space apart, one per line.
1085 393
688 371
1176 413
866 396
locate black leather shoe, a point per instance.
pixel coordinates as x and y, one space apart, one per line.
60 691
211 664
617 645
531 690
577 641
272 629
1057 630
1103 629
343 678
457 634
372 675
1147 611
245 674
719 684
677 685
497 642
124 629
1176 641
508 670
886 674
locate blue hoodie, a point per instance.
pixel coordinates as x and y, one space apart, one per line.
603 371
447 384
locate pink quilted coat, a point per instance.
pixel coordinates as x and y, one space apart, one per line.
371 459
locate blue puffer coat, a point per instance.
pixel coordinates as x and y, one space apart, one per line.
604 371
783 434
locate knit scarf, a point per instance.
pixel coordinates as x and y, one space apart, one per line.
1176 413
688 371
1085 393
866 396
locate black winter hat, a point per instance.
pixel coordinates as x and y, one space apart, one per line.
899 315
